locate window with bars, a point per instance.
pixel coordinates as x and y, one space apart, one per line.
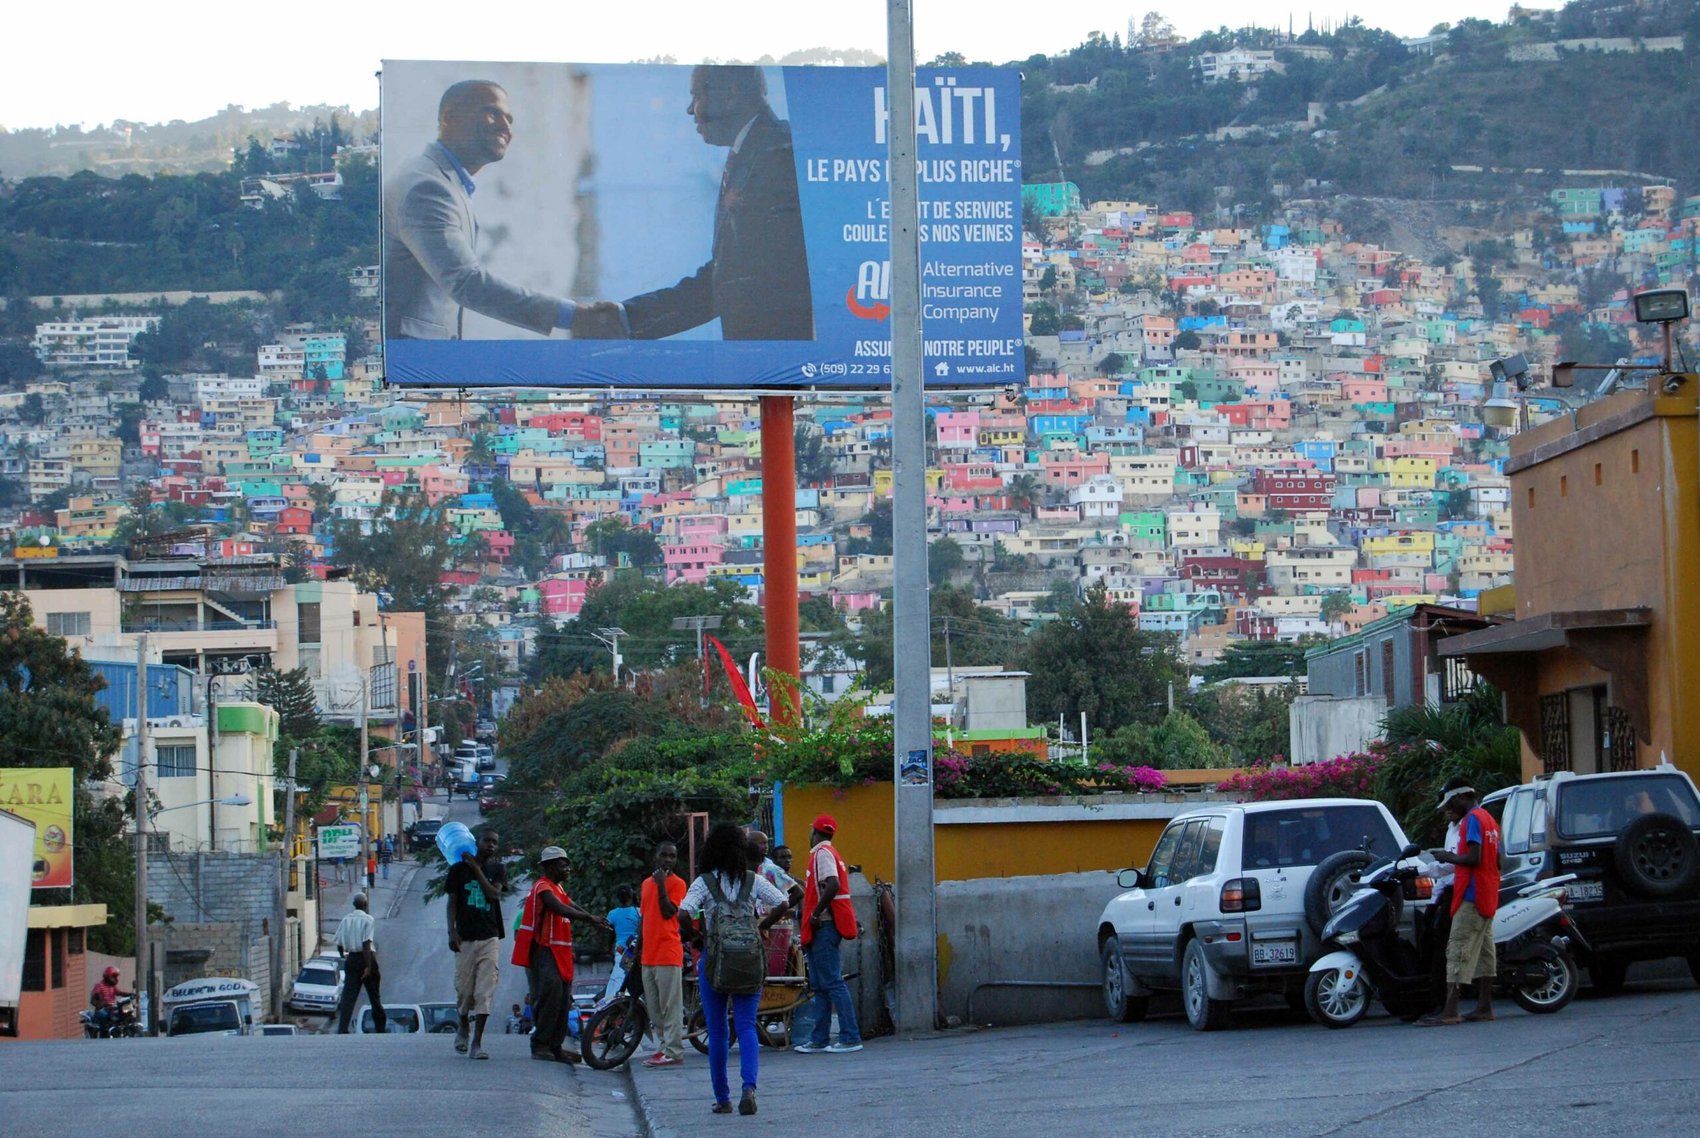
307 622
1555 732
56 948
174 761
35 961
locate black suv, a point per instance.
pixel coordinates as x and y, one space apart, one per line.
423 835
1630 839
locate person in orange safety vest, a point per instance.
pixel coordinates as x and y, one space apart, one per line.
543 945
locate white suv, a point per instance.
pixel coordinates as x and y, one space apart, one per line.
1233 900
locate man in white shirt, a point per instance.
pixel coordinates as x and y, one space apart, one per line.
354 944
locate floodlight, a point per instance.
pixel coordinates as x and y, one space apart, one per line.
1661 305
1500 412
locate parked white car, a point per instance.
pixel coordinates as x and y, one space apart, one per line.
317 986
399 1019
1232 902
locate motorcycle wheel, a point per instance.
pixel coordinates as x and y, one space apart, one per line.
613 1034
1334 1001
696 1030
1546 982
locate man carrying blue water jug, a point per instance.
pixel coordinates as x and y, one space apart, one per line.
474 892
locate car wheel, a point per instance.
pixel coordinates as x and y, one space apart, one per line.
1694 967
1657 856
1204 1013
1332 882
1121 1005
1607 976
1334 999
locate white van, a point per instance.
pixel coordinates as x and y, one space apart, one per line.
214 1004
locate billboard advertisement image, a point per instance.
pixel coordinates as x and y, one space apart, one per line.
713 227
43 795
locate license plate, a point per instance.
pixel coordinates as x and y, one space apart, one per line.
1586 891
1277 952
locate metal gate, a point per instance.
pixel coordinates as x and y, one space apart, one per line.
1555 732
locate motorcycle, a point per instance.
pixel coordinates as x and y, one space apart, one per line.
121 1025
1370 959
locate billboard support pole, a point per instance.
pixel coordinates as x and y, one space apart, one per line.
912 728
144 991
779 550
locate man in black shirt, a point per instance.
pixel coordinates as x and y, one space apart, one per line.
474 890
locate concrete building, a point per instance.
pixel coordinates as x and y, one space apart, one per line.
97 342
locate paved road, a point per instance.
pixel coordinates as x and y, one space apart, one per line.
1620 1065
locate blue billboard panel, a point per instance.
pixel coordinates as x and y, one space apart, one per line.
716 227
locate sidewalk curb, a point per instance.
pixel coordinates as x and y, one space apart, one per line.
646 1114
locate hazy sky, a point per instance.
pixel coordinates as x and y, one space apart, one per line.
100 59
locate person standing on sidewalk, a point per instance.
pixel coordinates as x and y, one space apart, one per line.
354 943
662 954
781 935
827 921
543 945
729 886
475 937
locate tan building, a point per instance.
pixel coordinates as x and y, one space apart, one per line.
1601 667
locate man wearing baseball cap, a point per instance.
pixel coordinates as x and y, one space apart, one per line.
827 920
1475 898
543 946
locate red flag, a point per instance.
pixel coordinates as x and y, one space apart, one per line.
739 687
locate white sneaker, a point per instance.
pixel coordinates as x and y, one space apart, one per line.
811 1048
842 1048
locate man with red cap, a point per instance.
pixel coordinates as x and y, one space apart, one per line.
827 920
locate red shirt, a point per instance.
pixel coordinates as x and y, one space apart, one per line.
661 943
104 995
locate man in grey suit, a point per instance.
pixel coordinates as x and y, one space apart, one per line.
432 270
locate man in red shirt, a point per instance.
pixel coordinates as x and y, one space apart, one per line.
662 954
104 998
1475 900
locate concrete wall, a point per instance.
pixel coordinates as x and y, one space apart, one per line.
1021 929
1321 727
222 907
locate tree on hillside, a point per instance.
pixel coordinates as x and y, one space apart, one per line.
611 537
405 552
49 717
944 558
646 609
814 464
1257 658
1094 658
977 636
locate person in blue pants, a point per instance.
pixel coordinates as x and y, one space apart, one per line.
724 855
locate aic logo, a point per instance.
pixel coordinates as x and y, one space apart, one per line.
868 298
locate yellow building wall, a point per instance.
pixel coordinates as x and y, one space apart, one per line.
965 851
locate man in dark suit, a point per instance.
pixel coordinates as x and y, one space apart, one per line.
756 280
431 265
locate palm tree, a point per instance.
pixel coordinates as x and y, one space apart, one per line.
1024 491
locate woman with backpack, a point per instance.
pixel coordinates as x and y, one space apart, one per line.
734 961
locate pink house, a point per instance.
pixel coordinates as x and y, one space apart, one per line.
562 596
957 430
1069 470
689 562
855 602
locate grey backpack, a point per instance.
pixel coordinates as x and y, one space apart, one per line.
737 959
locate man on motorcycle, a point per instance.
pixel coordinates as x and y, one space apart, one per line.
104 999
1475 899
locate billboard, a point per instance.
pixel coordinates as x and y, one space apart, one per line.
716 227
43 795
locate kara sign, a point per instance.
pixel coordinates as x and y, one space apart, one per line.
642 226
43 795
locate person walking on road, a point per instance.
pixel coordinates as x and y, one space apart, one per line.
386 852
1475 900
475 937
729 889
543 945
662 954
355 943
827 921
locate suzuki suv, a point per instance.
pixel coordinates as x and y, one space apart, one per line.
1630 839
1233 900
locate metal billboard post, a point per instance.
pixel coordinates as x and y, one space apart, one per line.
917 917
779 552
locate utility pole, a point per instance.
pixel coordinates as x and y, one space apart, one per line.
912 725
280 956
949 668
143 987
395 694
610 639
365 810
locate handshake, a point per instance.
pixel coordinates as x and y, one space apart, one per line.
601 320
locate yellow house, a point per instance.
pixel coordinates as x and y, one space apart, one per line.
1405 541
1406 472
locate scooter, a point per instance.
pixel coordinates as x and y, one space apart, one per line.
1371 960
122 1025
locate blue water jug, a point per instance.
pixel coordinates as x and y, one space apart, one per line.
455 839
